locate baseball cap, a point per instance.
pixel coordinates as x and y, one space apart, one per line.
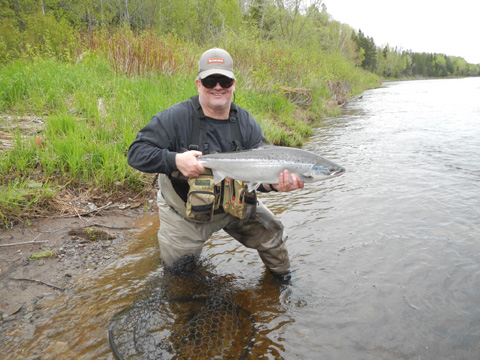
215 61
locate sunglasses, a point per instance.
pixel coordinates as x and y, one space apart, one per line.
212 81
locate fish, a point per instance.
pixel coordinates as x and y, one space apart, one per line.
264 165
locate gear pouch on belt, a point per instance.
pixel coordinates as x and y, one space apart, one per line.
237 200
201 198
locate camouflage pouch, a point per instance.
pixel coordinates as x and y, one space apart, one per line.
237 200
202 198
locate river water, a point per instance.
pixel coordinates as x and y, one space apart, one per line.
386 258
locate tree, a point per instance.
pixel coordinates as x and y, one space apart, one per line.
256 16
367 44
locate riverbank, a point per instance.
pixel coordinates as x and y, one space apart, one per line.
67 125
41 261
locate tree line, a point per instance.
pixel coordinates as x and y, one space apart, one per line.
51 26
390 62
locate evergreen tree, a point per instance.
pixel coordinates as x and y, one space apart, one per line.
367 46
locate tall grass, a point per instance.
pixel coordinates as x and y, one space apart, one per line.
20 196
142 53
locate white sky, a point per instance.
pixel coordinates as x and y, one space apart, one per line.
431 26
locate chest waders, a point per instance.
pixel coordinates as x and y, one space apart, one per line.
205 198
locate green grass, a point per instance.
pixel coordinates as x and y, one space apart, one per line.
21 196
42 255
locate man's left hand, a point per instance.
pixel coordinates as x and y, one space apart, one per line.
288 182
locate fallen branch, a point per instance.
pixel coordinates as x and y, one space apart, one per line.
54 231
114 227
40 282
34 241
79 215
24 243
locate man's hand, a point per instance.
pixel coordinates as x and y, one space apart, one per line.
188 165
288 182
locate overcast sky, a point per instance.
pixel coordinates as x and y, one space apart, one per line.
431 26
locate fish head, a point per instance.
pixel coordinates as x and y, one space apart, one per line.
322 171
325 169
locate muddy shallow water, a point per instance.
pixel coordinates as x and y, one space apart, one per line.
75 325
385 258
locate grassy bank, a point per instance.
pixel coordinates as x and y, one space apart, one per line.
66 126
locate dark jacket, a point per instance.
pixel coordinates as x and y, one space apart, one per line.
169 132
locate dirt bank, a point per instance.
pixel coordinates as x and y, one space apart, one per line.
41 261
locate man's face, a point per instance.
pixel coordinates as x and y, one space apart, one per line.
216 99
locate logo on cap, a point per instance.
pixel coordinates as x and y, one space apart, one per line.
215 60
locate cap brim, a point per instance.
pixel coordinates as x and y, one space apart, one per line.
207 73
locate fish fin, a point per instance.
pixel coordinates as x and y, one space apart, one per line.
217 176
305 178
252 186
265 143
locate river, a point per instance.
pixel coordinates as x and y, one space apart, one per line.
385 259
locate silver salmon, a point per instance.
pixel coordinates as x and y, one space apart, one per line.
264 165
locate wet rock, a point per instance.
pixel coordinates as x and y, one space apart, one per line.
107 244
12 310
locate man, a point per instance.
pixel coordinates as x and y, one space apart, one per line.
205 123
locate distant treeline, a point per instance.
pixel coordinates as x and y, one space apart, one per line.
394 63
52 27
